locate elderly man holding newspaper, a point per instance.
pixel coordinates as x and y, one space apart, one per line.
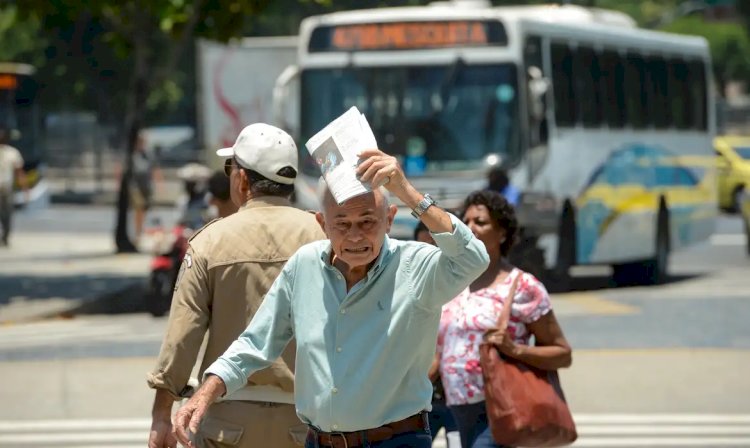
364 310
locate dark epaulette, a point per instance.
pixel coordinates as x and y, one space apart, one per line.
203 228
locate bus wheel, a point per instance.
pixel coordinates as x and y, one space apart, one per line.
653 271
559 276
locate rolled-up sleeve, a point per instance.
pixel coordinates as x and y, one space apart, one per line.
188 322
263 340
439 274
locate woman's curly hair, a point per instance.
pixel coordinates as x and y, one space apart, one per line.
500 210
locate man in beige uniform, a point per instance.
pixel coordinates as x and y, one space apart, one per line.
230 265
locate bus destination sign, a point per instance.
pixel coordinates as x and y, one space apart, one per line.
407 35
8 82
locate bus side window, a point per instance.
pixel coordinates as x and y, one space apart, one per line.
563 86
587 79
638 114
698 91
611 84
657 93
679 94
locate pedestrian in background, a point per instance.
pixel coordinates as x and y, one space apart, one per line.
145 174
364 310
498 180
11 172
477 309
219 198
227 271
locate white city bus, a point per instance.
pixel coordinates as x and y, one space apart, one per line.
604 127
19 115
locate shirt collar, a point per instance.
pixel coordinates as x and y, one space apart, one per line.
266 201
385 251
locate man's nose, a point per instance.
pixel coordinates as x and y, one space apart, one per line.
355 234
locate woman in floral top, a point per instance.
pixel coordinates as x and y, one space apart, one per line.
466 318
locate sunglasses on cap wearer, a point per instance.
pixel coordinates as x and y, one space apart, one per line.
228 164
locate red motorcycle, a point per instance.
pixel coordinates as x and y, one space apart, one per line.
169 250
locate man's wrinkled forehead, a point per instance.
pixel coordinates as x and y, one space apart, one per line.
370 203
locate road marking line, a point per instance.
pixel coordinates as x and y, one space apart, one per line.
592 419
669 430
595 304
79 424
668 441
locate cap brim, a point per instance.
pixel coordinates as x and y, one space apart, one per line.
225 152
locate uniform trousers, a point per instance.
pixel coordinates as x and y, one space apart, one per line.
248 424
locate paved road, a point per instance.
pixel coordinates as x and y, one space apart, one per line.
658 366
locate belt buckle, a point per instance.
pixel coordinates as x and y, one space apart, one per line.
339 434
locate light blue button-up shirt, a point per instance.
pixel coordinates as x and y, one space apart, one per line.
363 354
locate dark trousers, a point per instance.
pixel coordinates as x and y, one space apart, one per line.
441 417
6 211
416 439
473 426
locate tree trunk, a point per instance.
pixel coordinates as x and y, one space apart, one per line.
133 124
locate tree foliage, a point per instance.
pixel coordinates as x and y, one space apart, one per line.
729 43
151 37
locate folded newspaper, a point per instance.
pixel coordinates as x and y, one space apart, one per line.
335 150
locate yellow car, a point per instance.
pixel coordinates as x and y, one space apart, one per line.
746 218
733 154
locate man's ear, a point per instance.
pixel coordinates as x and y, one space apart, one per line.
392 210
321 221
244 184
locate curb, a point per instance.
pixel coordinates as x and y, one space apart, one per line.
100 199
126 300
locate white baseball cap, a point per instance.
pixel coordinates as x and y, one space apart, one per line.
264 149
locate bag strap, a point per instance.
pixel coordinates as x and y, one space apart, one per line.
502 322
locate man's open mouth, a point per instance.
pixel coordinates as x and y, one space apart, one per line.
357 250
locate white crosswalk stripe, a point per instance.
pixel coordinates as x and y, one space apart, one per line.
660 430
595 430
73 331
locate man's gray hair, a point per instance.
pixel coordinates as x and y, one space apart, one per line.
323 192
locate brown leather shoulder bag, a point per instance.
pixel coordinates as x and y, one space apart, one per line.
525 405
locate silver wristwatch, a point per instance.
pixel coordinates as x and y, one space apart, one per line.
423 205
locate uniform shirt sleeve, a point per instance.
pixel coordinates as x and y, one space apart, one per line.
268 333
532 300
440 273
188 322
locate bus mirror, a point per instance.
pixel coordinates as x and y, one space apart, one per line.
538 86
280 105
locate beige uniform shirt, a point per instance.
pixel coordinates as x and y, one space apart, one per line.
229 266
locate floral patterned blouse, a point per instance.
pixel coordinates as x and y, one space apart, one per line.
468 316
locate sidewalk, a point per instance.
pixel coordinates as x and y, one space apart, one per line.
67 190
44 274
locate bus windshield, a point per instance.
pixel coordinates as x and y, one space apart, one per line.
18 113
441 118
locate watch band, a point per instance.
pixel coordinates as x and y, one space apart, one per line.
422 206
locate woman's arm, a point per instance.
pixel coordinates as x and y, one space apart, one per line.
434 371
551 351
